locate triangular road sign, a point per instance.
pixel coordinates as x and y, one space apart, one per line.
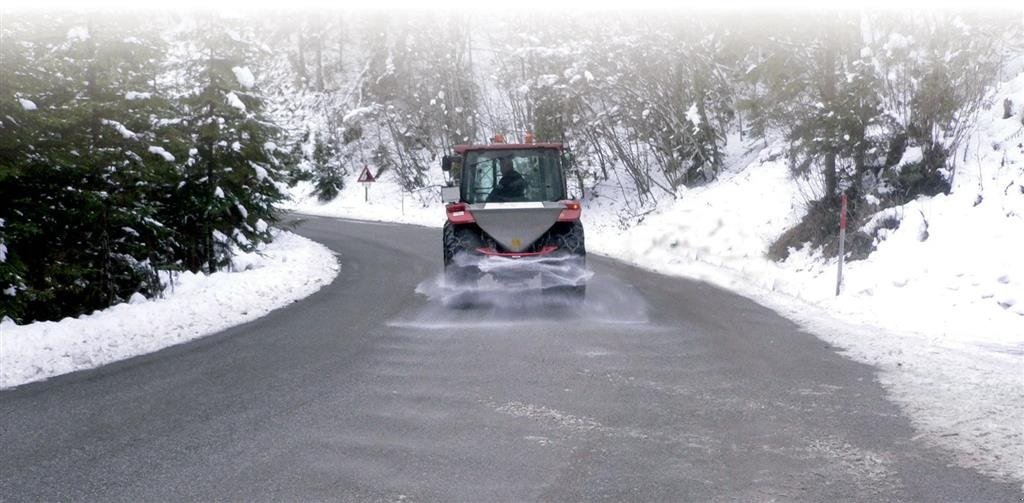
366 176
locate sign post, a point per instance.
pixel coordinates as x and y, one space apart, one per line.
842 242
366 178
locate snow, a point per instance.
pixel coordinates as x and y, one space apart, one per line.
547 80
288 269
234 101
244 76
79 33
219 192
160 151
387 203
261 172
133 95
28 105
125 133
693 116
3 252
356 113
911 155
898 41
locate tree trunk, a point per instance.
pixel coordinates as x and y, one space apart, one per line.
828 93
301 63
91 86
211 260
318 51
341 48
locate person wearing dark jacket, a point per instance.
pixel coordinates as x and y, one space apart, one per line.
510 187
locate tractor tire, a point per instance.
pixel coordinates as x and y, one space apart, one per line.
570 239
458 241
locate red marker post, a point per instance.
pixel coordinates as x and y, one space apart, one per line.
842 242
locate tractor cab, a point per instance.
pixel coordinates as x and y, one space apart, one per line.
506 172
510 200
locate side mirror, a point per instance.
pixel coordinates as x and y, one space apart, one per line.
450 194
449 160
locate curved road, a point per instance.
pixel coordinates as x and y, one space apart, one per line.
656 389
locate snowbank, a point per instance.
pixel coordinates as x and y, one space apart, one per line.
917 310
288 269
387 203
936 308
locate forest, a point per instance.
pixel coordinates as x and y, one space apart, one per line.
135 145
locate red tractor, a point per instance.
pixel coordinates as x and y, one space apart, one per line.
507 203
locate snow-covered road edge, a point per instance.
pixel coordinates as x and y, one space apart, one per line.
386 203
284 271
959 397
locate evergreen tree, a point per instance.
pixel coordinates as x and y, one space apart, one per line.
230 184
328 173
78 170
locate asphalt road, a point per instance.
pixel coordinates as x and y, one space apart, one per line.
655 389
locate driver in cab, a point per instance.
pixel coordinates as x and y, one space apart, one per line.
511 186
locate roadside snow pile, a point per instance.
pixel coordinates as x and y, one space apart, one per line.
937 307
288 269
387 203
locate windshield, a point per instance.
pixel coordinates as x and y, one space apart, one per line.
513 175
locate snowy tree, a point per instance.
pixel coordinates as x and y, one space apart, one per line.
231 182
420 91
328 174
79 169
934 70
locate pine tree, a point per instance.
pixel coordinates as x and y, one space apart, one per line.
231 187
77 216
18 128
328 173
